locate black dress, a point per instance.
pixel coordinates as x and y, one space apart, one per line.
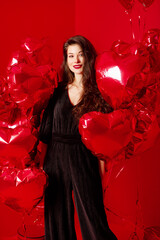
70 166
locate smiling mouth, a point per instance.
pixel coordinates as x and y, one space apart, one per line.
77 66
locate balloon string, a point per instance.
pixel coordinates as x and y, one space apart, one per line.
133 35
24 230
24 227
109 175
139 217
124 218
144 27
139 26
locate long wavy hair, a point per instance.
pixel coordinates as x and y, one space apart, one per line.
91 99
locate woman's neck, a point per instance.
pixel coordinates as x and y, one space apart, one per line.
78 80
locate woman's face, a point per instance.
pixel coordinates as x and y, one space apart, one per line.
75 59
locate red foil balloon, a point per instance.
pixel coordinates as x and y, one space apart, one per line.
151 42
31 76
114 69
146 3
127 4
37 51
146 131
151 39
152 233
108 75
21 189
33 225
16 138
29 85
106 135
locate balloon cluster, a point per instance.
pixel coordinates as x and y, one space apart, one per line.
128 77
24 94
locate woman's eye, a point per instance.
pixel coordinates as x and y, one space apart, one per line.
81 55
70 56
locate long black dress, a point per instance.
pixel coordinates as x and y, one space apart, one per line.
70 166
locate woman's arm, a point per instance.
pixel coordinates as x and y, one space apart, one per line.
102 168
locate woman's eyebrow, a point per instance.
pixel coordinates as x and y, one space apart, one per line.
73 53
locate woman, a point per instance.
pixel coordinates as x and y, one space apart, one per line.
68 163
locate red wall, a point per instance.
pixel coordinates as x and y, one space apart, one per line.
22 18
102 22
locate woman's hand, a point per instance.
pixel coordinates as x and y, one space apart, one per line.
42 147
37 155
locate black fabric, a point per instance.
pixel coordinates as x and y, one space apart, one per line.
70 166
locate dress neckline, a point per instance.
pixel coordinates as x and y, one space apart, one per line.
70 99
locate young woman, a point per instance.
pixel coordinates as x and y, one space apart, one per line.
68 163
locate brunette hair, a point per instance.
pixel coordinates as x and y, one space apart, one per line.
91 99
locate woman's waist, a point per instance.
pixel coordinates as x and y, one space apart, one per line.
69 138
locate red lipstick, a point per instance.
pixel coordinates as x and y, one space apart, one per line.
77 66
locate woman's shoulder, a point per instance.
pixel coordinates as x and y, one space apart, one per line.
61 86
57 92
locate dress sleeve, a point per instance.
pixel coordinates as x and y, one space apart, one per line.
45 131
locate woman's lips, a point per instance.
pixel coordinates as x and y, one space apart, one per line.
77 66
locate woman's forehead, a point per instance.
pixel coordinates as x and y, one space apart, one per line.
74 48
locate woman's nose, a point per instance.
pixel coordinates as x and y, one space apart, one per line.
77 59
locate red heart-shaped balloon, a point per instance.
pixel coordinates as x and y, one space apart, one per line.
114 69
21 189
146 3
127 4
16 138
106 134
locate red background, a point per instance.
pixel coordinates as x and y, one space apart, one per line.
102 22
